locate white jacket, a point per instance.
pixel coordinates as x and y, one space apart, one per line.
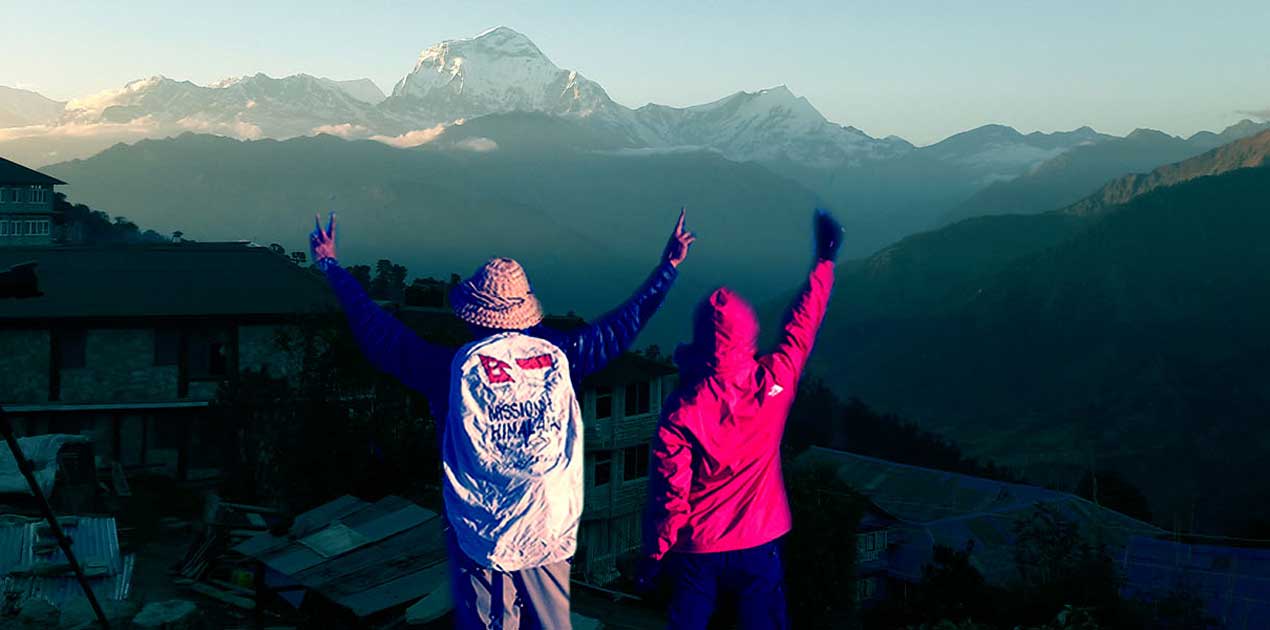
512 453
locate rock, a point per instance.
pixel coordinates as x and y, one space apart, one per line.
77 614
37 613
175 614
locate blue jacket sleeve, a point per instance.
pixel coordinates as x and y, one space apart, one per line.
387 343
592 347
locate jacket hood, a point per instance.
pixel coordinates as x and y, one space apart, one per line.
724 338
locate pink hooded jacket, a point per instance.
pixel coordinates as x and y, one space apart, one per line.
716 483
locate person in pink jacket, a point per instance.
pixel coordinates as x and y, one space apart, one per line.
717 503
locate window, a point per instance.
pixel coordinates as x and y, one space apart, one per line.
31 228
870 545
167 346
866 588
637 398
39 195
6 195
44 227
603 402
72 346
635 462
4 228
209 354
603 467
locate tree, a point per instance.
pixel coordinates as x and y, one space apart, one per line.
821 549
79 224
389 282
361 273
1060 565
336 426
1116 493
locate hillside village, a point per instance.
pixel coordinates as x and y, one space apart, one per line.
163 393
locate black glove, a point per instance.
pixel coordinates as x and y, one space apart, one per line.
828 235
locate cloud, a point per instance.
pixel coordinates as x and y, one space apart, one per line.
240 129
479 145
138 127
1263 114
346 130
93 105
412 138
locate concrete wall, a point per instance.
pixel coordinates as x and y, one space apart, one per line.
24 366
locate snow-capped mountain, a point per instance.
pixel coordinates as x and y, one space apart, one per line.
19 108
245 107
501 72
363 90
998 152
766 125
496 72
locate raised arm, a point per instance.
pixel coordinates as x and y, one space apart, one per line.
387 343
592 347
808 310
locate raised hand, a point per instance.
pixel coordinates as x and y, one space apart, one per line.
680 239
322 242
828 235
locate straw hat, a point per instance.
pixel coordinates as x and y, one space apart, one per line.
498 295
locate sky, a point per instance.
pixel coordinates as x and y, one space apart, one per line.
919 70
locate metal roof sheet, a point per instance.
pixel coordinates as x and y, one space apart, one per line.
366 557
164 280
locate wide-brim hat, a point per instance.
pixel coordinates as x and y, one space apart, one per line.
498 295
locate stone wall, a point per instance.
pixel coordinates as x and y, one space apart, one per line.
119 367
24 366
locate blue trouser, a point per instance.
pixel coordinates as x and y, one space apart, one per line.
754 577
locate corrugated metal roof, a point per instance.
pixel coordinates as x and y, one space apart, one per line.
27 572
936 507
362 556
1233 582
164 280
41 451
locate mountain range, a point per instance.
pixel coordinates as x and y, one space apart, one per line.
499 89
1126 328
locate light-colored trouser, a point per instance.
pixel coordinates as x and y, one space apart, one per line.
527 599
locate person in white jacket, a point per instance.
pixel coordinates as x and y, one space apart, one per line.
512 441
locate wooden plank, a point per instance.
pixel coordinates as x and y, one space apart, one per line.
376 564
222 596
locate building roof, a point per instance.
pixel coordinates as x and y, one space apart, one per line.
164 280
952 509
1233 582
629 368
365 557
41 451
33 566
14 174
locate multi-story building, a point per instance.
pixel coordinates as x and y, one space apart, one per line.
129 343
26 206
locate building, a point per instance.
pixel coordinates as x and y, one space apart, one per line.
914 509
26 206
129 343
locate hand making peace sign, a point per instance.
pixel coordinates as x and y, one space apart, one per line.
680 239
